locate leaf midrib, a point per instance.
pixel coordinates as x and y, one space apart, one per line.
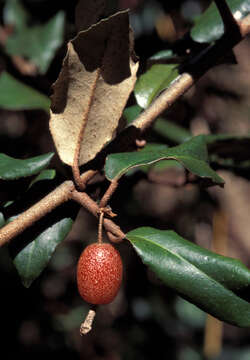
170 157
183 259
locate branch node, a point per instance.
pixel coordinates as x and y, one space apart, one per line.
107 211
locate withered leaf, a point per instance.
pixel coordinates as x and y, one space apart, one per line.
97 77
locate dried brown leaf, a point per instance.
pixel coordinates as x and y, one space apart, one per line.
97 77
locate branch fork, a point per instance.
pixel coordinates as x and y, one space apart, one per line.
67 190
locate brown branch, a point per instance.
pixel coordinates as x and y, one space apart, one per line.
57 197
164 101
111 189
75 167
100 225
66 191
193 72
89 204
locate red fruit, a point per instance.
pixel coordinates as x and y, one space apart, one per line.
99 273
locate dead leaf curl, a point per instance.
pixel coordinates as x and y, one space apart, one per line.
100 58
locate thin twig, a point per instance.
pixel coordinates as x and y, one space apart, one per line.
100 225
89 204
57 197
87 176
109 192
75 167
162 103
51 201
187 79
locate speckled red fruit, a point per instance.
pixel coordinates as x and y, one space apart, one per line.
99 273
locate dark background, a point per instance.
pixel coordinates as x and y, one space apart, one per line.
146 320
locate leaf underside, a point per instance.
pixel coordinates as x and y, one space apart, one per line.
210 281
93 88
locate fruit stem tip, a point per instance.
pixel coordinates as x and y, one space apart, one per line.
86 326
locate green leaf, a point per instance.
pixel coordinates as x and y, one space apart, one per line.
171 131
146 168
38 43
2 220
166 164
131 113
12 169
153 147
208 280
34 257
192 155
48 174
209 26
15 14
15 95
150 84
163 55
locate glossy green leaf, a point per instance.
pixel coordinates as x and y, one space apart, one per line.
131 113
15 95
38 43
47 174
171 131
150 84
191 154
34 257
148 147
210 281
12 169
209 27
